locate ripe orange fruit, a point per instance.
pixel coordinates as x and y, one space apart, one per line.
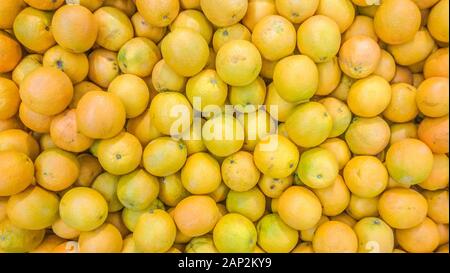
402 208
158 13
47 91
437 22
103 67
434 132
100 114
397 21
69 33
367 136
432 97
436 64
32 29
17 239
9 98
419 239
65 134
239 172
75 65
196 215
201 174
105 239
224 13
20 141
333 236
56 170
296 11
234 233
11 52
139 66
17 170
9 11
257 10
359 56
143 29
114 28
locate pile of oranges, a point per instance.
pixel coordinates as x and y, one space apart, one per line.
224 126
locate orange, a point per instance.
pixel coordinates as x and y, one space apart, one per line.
219 195
276 156
334 198
238 62
251 203
170 113
436 65
17 239
201 174
133 92
386 66
223 135
403 75
65 134
171 190
89 169
403 107
437 205
132 54
90 4
194 20
298 199
9 98
164 78
397 21
409 161
185 51
439 176
367 136
317 168
131 217
413 51
155 232
422 238
115 219
75 65
106 184
27 65
274 36
333 236
142 127
360 207
20 141
248 98
83 209
208 88
274 187
143 29
11 52
437 22
56 170
341 91
45 4
17 170
359 56
164 156
239 172
105 239
432 97
137 190
114 28
202 244
374 236
32 29
196 215
341 11
224 13
47 91
402 208
274 236
307 235
305 247
369 97
48 244
74 28
296 78
234 233
9 11
362 25
158 13
296 11
309 125
234 32
329 76
320 48
340 150
257 10
276 106
340 115
344 218
100 114
64 231
434 132
366 176
34 208
103 67
126 6
121 154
